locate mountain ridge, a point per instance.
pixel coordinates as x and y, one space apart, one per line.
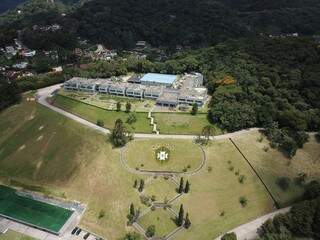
121 23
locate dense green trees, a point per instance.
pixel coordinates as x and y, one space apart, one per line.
194 109
312 190
229 236
301 222
119 135
263 82
141 185
187 187
128 107
9 92
181 186
39 40
180 218
132 236
187 222
160 22
184 22
151 230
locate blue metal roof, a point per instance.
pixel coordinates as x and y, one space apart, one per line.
159 78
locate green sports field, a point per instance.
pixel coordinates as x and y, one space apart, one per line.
30 211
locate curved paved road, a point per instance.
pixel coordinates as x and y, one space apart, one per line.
44 93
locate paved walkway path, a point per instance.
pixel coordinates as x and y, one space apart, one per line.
126 166
44 93
249 230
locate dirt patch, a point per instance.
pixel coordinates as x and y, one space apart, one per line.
41 127
39 165
39 138
22 147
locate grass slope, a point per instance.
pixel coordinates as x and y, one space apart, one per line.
11 235
273 164
69 160
217 191
39 147
31 146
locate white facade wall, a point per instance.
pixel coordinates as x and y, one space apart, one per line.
87 87
115 90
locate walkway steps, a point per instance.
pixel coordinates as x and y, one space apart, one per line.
152 122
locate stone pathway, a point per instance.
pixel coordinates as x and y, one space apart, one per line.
152 122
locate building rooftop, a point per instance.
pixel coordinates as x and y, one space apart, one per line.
135 87
196 93
159 78
154 89
169 96
81 80
121 85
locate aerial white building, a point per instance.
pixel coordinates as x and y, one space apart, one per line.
166 90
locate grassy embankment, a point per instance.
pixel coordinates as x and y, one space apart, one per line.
42 148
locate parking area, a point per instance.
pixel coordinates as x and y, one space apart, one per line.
80 234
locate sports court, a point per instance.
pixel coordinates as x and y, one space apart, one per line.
32 212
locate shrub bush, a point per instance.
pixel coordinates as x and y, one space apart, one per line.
102 213
242 178
131 119
100 123
312 190
284 183
151 230
229 236
243 201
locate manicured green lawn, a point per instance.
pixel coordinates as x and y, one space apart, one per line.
162 219
272 164
93 114
39 144
184 154
109 102
163 189
167 123
11 235
182 123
